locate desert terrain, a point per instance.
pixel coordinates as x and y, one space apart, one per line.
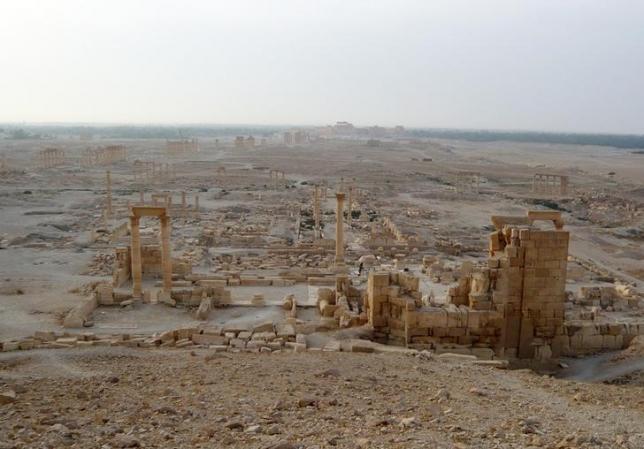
287 354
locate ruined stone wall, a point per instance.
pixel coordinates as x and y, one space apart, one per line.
584 337
528 282
395 311
515 306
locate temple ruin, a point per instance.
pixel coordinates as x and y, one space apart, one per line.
103 156
549 184
50 158
182 146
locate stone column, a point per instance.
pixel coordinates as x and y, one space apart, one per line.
183 204
564 185
166 256
135 247
339 231
316 211
108 209
349 217
197 204
141 197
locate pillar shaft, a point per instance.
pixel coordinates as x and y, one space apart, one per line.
109 195
339 231
166 256
316 211
350 206
135 246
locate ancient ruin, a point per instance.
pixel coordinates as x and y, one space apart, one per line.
467 181
50 157
549 184
181 146
216 234
161 250
104 155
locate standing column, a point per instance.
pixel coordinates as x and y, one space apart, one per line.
166 257
564 185
316 211
108 211
183 204
197 204
135 247
339 231
349 217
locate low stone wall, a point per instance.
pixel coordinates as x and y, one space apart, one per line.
583 337
453 325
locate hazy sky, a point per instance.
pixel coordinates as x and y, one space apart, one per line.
541 65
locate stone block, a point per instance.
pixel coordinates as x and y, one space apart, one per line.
285 330
208 339
237 343
266 326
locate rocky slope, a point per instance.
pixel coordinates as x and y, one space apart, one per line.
120 398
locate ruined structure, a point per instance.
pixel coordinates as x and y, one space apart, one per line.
182 146
467 181
50 157
549 184
278 177
150 211
152 171
103 156
295 137
514 306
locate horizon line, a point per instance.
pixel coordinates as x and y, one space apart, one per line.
277 125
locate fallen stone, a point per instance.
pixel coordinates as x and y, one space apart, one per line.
7 397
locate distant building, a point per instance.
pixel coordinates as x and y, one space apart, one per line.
300 137
296 137
344 128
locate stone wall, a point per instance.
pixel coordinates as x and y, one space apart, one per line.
515 305
528 282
